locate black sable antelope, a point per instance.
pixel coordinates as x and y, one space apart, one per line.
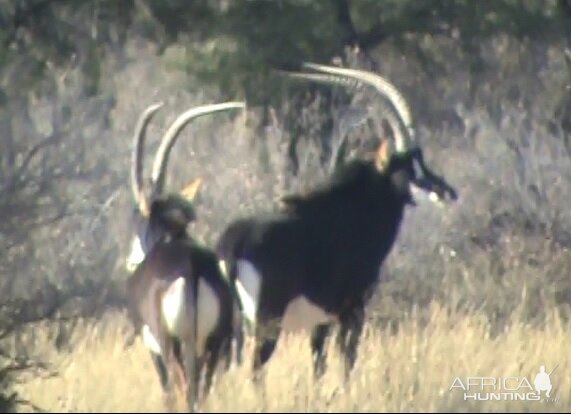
316 262
178 297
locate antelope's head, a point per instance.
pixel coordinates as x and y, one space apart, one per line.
403 161
160 215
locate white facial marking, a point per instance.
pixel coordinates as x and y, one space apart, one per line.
150 341
223 268
136 255
415 192
248 287
302 314
436 199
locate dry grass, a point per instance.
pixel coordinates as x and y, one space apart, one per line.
409 370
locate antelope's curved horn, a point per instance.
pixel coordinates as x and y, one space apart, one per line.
137 157
169 138
398 104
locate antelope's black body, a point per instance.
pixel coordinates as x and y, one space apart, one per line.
163 265
319 259
179 299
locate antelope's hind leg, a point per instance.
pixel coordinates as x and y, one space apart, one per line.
215 347
318 340
168 391
349 336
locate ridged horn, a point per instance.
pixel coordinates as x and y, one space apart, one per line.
137 186
397 103
161 158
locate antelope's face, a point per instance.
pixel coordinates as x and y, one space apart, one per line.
162 216
405 167
410 175
168 219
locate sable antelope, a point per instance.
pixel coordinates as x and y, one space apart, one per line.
178 297
316 262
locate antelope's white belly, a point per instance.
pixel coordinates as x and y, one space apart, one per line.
248 287
300 314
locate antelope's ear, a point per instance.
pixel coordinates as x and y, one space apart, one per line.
190 190
382 155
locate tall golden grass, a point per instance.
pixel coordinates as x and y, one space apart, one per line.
409 370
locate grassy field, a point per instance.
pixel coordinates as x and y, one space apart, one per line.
411 369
